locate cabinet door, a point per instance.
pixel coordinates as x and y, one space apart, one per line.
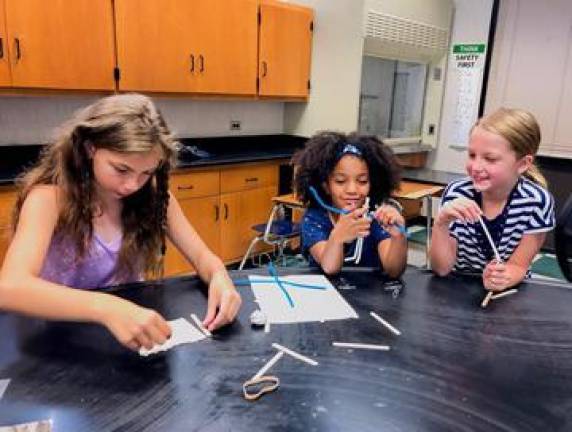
204 215
5 79
154 45
227 34
61 44
7 201
285 50
240 211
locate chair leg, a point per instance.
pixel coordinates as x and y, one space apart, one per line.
247 254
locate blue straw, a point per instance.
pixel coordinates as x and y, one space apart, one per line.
248 282
402 229
274 274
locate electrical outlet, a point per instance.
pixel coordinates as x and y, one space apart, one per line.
235 125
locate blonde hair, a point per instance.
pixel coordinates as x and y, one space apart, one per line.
122 123
521 130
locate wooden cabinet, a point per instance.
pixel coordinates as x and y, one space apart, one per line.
60 44
242 210
211 47
5 78
222 204
285 49
227 51
246 193
7 201
199 46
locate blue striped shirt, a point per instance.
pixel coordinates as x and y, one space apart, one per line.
528 210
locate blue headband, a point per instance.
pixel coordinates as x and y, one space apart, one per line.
350 149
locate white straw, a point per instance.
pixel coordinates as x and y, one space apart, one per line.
268 365
200 325
487 299
504 294
295 354
3 386
385 323
267 327
361 346
496 252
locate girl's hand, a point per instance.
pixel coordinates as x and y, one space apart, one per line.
133 326
389 217
495 276
223 303
351 226
462 209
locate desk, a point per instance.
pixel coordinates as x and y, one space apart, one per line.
415 190
455 366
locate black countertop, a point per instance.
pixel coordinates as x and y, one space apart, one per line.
213 151
456 367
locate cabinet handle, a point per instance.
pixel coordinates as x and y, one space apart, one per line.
251 179
201 63
17 48
264 69
189 187
216 212
225 211
192 58
1 48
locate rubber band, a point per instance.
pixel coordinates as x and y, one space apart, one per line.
267 383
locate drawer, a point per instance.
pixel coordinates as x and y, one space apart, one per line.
195 184
248 177
7 201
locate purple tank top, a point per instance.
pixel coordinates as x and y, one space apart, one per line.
96 269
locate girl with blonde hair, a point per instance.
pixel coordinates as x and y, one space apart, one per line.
95 211
505 193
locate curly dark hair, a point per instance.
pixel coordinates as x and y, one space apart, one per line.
316 161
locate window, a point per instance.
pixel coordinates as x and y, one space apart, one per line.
391 98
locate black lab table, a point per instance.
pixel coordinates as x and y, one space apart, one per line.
455 367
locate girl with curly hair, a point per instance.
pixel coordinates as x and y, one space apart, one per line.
95 211
336 176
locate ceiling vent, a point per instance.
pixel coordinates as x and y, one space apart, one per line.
394 29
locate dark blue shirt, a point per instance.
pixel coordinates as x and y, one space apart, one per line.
317 226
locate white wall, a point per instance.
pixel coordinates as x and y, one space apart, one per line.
470 25
31 120
335 70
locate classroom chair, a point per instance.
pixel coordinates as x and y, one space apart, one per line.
278 231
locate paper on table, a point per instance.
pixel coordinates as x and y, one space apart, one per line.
309 304
40 426
182 332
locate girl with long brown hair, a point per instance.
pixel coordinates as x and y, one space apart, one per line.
95 211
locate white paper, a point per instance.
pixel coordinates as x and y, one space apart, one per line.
40 426
309 304
182 331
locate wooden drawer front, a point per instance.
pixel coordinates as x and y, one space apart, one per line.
7 201
248 177
195 184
